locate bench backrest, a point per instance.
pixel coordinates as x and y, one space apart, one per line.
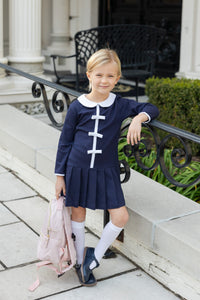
136 45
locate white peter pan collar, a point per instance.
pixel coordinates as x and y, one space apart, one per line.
88 103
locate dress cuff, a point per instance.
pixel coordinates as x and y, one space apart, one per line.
143 112
57 174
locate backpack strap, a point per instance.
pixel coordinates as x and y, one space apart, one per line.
48 264
34 285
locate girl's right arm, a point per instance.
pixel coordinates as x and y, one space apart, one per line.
60 186
66 141
64 148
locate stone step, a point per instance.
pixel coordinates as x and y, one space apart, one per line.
31 140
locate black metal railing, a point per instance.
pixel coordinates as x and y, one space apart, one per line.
39 89
151 142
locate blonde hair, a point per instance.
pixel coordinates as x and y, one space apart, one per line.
101 57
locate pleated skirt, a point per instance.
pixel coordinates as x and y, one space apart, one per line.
94 188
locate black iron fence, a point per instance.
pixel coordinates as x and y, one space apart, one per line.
153 141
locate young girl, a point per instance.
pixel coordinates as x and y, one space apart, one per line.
87 166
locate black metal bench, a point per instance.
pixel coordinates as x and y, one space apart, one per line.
136 45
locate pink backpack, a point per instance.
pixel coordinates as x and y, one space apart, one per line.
56 246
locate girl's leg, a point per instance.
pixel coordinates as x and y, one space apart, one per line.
78 229
119 218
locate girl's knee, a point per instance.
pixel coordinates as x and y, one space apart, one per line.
125 217
119 216
78 214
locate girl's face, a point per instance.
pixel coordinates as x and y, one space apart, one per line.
103 79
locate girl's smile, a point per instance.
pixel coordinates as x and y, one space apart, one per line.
102 79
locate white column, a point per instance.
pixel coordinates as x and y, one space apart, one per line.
3 60
60 36
25 35
190 42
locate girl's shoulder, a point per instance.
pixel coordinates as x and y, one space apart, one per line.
121 100
74 105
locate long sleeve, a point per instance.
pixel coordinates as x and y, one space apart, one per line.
131 108
66 140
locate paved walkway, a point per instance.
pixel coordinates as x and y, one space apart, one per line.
21 215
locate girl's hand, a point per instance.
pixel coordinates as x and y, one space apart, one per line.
60 186
134 131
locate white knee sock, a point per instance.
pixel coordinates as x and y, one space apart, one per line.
78 229
109 234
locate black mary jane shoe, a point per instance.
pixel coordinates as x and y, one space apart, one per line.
88 258
91 281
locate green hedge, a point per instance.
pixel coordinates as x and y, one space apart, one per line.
178 101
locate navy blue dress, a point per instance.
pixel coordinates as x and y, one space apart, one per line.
88 150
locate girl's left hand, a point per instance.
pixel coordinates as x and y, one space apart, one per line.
134 131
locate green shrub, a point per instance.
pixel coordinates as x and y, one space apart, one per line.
178 101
